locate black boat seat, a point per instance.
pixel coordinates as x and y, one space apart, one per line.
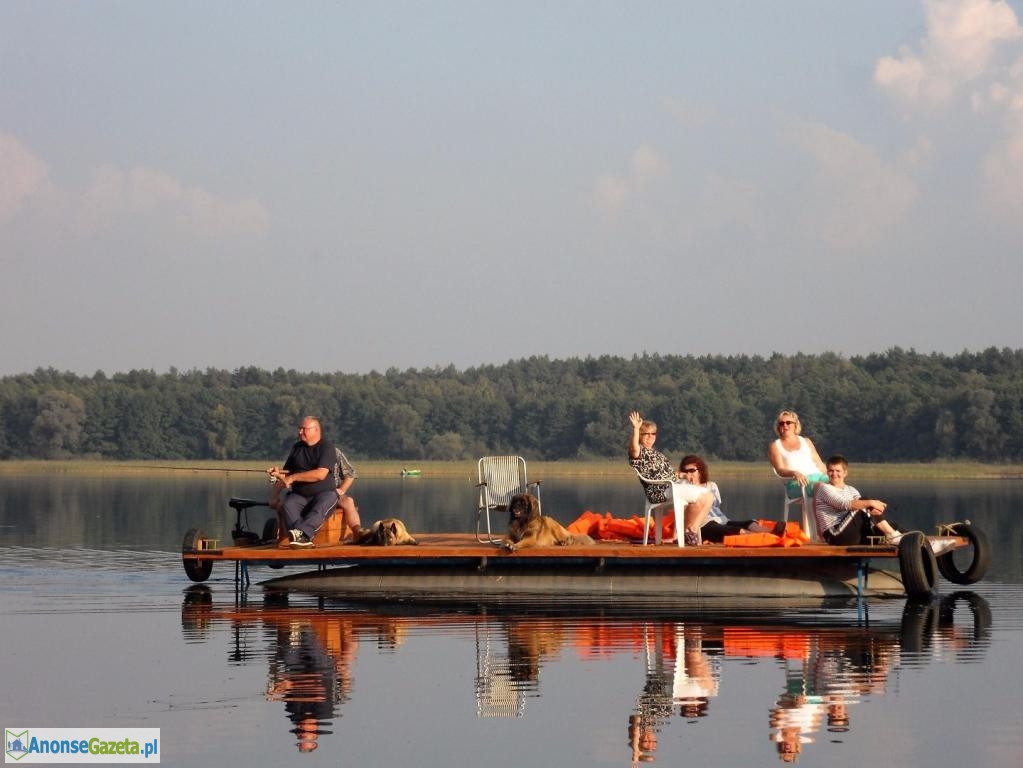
240 504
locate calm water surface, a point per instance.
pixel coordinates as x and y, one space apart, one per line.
102 628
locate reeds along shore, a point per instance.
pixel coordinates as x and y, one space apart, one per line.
537 469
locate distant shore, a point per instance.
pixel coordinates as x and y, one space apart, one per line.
467 468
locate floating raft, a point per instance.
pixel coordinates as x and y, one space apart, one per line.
453 568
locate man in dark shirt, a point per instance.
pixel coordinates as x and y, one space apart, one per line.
308 476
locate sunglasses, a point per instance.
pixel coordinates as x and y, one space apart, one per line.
689 470
785 423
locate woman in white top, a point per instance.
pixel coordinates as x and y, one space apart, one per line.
795 457
693 469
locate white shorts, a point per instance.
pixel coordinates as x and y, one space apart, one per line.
685 492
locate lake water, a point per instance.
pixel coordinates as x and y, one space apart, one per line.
101 628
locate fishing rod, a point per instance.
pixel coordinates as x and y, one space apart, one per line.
202 469
196 469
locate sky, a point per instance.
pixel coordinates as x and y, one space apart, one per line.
353 186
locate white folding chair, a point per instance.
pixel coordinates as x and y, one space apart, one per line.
500 478
657 510
809 520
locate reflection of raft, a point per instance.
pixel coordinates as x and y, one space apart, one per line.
455 568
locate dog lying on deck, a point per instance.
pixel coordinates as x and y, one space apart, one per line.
527 528
388 532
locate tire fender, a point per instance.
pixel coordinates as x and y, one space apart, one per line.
917 564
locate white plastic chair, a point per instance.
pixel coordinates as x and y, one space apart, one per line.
500 478
809 520
657 510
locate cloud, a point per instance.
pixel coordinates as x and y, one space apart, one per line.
852 196
613 193
1002 164
115 194
22 174
959 47
1002 161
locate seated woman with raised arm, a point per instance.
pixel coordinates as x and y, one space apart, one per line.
654 465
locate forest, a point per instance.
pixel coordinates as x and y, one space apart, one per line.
898 405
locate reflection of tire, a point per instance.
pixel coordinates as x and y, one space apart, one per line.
270 535
196 569
979 607
981 556
196 611
919 620
198 595
917 564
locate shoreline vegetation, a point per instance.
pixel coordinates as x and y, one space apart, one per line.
467 468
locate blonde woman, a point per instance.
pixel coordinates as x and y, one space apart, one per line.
795 457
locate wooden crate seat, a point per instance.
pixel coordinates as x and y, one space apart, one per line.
331 532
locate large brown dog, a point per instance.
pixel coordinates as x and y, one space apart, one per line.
527 528
388 532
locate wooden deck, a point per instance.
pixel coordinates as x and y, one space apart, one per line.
456 569
463 546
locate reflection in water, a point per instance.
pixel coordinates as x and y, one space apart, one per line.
311 673
824 674
825 669
681 678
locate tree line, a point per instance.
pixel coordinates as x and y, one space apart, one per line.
894 406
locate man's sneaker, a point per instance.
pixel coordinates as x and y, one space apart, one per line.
942 544
299 539
894 540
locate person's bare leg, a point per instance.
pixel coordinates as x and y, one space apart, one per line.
696 512
350 514
885 527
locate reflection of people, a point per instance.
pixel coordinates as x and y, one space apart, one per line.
304 677
642 740
695 679
793 720
838 714
679 674
843 517
693 469
654 465
307 476
654 704
795 457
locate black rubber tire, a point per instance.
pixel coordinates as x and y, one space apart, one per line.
981 556
196 569
917 564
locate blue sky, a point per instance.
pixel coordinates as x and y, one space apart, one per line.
359 186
